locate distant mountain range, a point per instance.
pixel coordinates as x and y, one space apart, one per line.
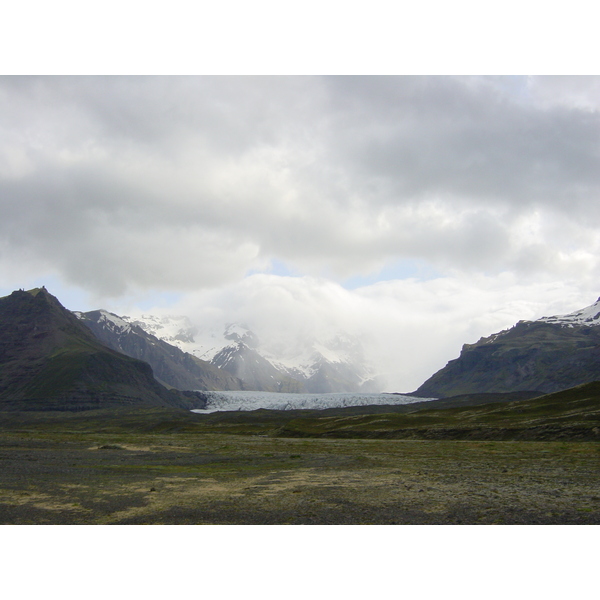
50 361
232 358
53 359
547 355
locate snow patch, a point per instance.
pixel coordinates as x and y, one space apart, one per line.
115 321
110 320
589 316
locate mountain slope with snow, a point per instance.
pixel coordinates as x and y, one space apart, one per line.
256 372
588 316
334 363
171 366
547 355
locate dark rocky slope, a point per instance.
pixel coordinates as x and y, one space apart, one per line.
539 355
51 361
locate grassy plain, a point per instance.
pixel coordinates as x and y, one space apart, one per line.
170 467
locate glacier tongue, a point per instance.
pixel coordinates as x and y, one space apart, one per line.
232 401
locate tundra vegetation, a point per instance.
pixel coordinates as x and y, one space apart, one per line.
486 462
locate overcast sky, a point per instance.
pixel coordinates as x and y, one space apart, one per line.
420 213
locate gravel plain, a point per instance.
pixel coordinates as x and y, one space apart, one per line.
203 478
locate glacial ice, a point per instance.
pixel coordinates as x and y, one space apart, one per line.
245 400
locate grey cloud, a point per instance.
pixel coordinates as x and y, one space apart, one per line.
409 329
565 90
169 182
439 136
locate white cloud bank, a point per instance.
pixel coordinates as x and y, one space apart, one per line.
123 188
408 328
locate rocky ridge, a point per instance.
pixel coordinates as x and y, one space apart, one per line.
547 355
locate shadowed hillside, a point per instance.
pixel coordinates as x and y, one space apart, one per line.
542 356
50 361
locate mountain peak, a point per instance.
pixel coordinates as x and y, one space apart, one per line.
241 333
35 291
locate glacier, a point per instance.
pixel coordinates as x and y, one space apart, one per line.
247 400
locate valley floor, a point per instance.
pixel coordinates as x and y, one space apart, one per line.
61 477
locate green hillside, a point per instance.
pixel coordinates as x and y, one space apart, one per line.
570 414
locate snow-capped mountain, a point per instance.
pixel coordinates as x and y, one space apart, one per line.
588 316
171 366
547 355
255 371
332 364
175 330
